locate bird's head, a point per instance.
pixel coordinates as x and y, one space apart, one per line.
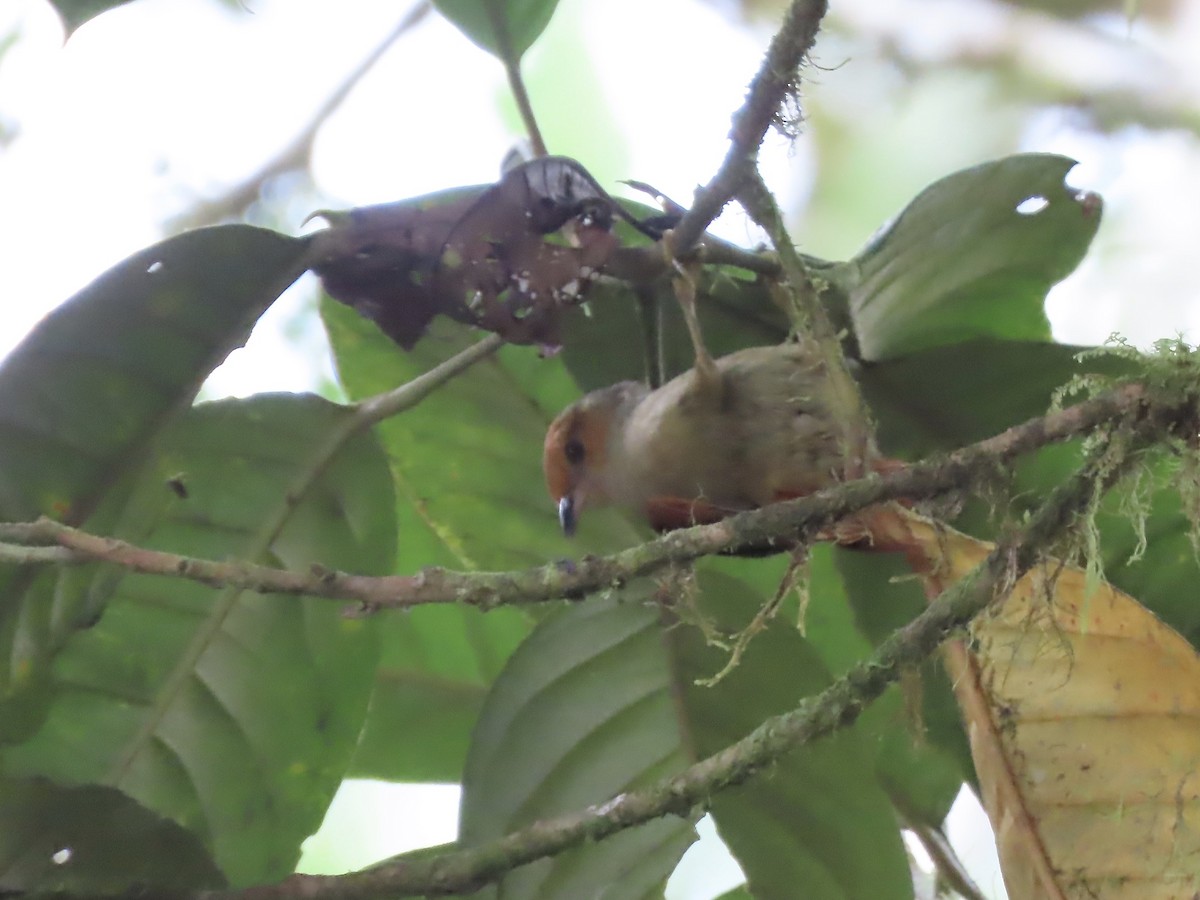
580 444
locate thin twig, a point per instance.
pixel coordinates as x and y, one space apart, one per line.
382 406
576 579
235 200
950 869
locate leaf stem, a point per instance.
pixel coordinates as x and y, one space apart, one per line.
512 70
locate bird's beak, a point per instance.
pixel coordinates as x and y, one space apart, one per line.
566 514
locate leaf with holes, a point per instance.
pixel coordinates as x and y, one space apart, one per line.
232 713
972 256
506 257
87 392
85 840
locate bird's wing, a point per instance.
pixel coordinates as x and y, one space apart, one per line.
670 513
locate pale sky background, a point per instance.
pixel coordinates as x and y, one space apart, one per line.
162 103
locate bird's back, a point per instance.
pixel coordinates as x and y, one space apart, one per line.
761 431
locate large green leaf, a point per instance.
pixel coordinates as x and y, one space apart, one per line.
233 713
87 392
944 397
504 28
91 839
434 672
467 467
816 818
582 712
972 256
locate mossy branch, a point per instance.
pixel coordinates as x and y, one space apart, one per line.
1135 406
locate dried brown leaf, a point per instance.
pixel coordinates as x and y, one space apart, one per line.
505 257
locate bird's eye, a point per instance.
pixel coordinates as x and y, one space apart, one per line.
574 452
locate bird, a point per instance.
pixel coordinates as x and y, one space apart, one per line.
729 435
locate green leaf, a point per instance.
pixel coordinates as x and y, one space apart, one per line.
84 396
92 839
466 464
816 817
920 777
504 28
233 713
972 256
467 460
87 389
581 713
942 398
436 667
75 12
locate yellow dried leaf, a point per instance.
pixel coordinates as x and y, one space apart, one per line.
1083 711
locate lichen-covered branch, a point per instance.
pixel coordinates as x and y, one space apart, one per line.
1129 404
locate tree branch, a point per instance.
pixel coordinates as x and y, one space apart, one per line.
383 406
836 707
1130 403
768 90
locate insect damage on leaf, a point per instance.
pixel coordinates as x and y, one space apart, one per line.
504 257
